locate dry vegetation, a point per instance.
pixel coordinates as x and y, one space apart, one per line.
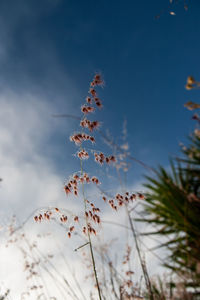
171 205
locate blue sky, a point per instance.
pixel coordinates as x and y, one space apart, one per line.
49 52
55 47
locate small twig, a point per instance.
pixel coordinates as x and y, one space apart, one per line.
81 246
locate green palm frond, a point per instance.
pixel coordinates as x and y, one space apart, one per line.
172 204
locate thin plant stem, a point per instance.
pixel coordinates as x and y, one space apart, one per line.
89 238
144 270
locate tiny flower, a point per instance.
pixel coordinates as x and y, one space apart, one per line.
64 218
67 189
92 92
133 197
83 123
87 179
97 77
87 109
112 158
71 228
120 202
98 219
89 100
83 154
107 160
99 104
97 80
104 199
92 139
141 196
81 179
95 180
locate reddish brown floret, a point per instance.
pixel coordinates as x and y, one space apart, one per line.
83 155
97 80
141 196
92 139
87 109
36 218
71 229
132 197
98 219
99 104
64 218
67 189
89 100
97 77
95 180
87 179
104 199
120 203
93 92
112 158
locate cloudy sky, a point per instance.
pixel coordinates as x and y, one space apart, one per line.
49 52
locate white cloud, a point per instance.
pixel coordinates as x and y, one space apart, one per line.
28 176
30 181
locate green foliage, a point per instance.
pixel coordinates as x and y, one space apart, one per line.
173 206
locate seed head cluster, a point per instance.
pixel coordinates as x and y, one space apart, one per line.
88 124
122 200
78 138
101 158
71 187
55 213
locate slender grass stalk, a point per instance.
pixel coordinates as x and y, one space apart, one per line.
89 238
144 270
